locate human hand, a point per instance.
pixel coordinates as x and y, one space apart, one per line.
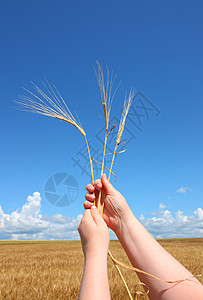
94 234
116 208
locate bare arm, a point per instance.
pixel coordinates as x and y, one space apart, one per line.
95 241
147 254
94 284
143 250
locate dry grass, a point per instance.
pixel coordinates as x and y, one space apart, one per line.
54 270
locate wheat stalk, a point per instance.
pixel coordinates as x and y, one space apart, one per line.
51 103
106 91
127 104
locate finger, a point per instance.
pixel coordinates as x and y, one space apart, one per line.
98 184
84 220
103 196
96 215
90 188
89 197
109 189
86 215
87 205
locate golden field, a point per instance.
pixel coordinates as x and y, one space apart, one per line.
53 270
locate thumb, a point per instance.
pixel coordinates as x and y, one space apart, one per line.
108 187
96 215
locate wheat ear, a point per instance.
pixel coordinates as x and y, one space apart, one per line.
107 96
106 91
126 107
50 103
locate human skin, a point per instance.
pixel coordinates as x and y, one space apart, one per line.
142 249
95 242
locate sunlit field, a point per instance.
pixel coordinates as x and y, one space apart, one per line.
53 270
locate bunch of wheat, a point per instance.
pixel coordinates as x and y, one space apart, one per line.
50 103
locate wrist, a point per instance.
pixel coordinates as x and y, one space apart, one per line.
123 222
95 256
97 251
126 220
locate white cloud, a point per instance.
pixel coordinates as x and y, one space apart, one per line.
183 189
199 213
165 225
28 220
28 223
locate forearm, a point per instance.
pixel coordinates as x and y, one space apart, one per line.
146 254
94 284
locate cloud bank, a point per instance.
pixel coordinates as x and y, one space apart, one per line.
29 224
163 224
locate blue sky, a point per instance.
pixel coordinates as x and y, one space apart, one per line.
155 47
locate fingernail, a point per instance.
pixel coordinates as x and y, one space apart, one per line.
93 207
105 176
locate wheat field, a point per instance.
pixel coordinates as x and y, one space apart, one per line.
53 270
